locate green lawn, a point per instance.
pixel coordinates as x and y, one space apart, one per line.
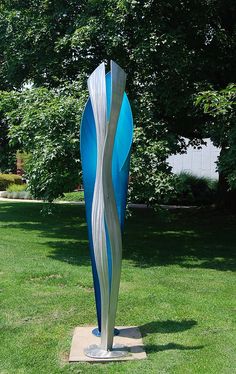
178 284
72 196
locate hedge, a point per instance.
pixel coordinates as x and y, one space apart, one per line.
7 179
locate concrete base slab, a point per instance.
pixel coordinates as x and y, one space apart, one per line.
128 336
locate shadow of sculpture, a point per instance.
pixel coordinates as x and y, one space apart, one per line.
166 327
161 327
152 348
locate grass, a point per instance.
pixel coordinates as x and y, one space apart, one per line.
72 196
178 285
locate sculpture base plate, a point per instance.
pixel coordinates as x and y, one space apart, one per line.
95 351
129 337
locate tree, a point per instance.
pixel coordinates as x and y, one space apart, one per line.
44 123
221 126
7 153
170 50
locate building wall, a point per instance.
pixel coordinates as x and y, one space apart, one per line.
200 162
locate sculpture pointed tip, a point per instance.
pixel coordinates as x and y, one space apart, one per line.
114 65
100 68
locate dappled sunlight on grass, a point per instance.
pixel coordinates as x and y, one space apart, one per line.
178 278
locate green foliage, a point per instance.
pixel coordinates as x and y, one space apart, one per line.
16 187
193 190
73 196
150 179
23 195
7 179
170 50
218 103
24 157
45 124
220 106
7 153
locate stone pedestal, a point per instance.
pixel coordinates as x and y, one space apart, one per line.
130 337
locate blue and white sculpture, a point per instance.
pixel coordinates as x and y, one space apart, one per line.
106 138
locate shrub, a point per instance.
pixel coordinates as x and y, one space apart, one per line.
194 190
45 124
17 195
7 179
17 187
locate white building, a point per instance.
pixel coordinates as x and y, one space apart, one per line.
200 162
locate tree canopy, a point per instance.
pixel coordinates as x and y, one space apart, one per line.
170 50
221 125
45 124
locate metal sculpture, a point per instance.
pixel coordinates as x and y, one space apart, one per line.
106 138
